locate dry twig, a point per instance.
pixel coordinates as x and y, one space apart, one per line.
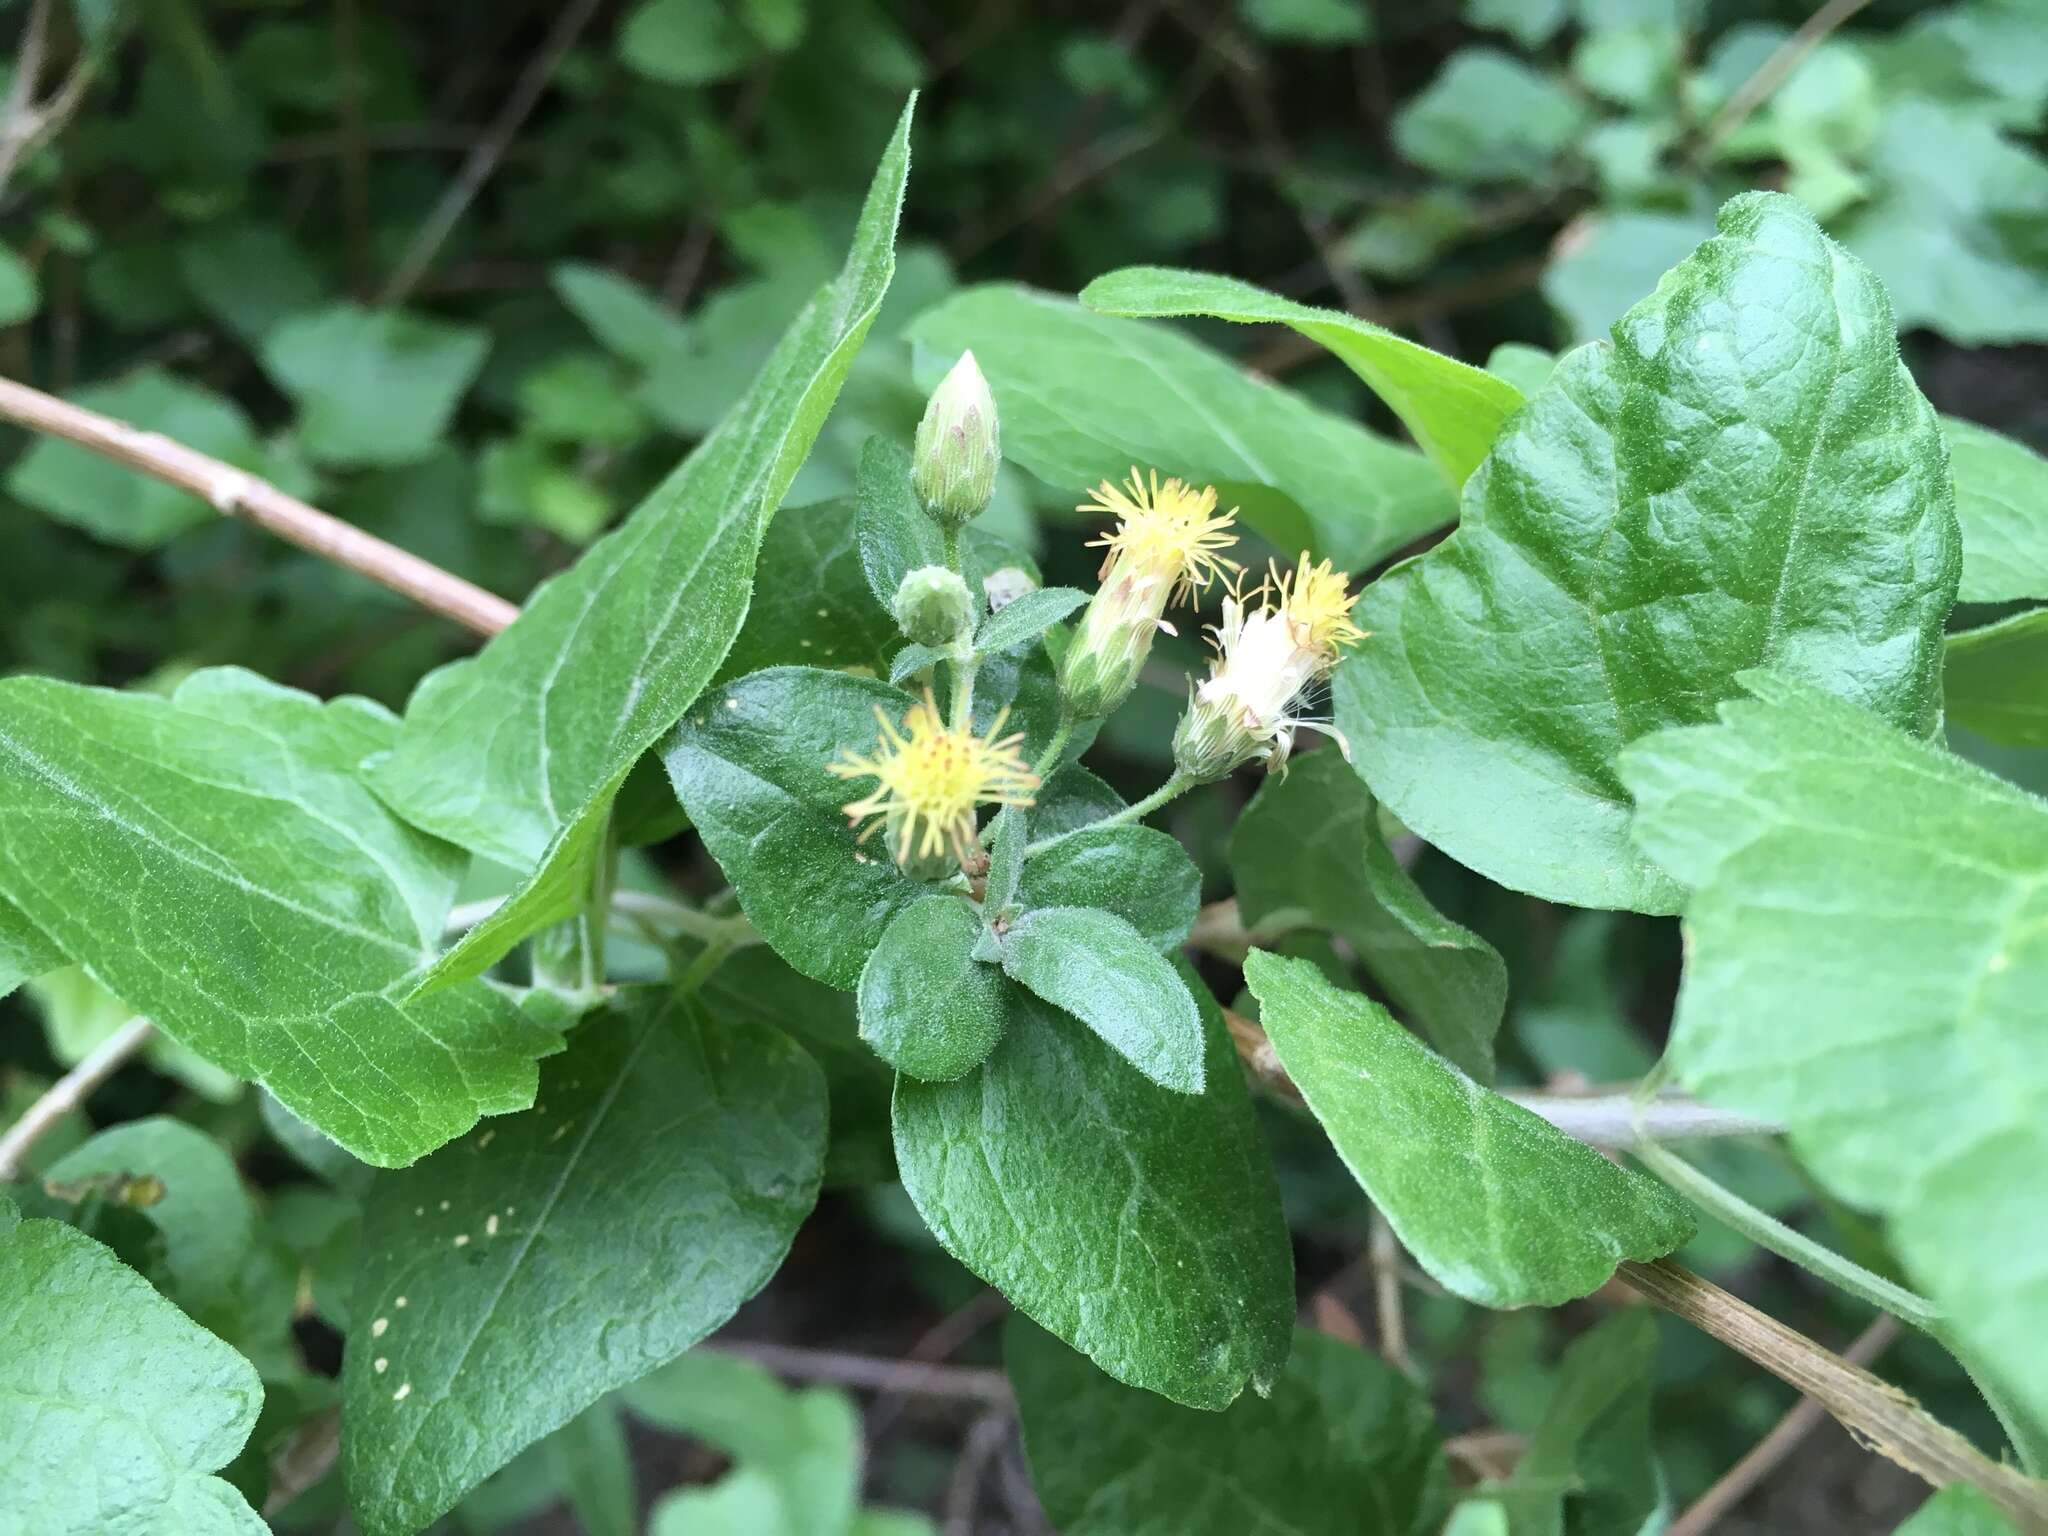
70 1091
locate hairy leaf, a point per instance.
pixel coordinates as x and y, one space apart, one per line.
1141 1226
516 1277
1746 476
1086 396
1138 873
927 1006
517 752
1308 849
1344 1444
1500 1206
214 861
1453 410
1869 947
114 1406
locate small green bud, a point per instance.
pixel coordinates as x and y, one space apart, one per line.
958 447
1005 586
932 606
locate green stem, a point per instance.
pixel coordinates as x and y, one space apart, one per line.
1049 758
1172 789
708 960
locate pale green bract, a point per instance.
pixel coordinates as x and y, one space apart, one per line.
518 752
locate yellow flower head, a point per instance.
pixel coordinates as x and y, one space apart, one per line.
1318 608
930 779
1165 530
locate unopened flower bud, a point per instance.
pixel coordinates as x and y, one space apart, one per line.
933 606
1005 586
958 447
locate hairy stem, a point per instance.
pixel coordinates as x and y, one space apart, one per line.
1172 789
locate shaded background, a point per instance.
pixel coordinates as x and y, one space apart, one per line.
326 240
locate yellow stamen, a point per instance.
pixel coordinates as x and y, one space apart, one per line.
1318 608
929 781
1166 531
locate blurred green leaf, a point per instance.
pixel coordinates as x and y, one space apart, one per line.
1488 117
1314 23
249 276
1995 679
20 295
373 386
2002 507
685 42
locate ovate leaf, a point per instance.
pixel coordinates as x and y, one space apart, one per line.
517 753
927 1006
513 1279
1958 1510
1050 1169
1138 873
1995 679
1345 1443
2002 505
1103 971
1868 951
1500 1206
1308 850
749 767
114 1406
1453 410
214 861
811 601
1746 476
1027 618
1591 1468
896 536
1086 396
373 386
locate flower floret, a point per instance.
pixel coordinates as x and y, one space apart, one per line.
929 780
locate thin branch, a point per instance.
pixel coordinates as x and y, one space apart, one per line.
1878 1414
871 1373
937 1344
236 493
1603 1120
1801 1420
70 1091
483 160
1774 72
1388 1308
963 1496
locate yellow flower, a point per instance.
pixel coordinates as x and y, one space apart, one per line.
1271 648
930 779
1168 543
1166 533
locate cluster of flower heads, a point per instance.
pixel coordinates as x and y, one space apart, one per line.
1275 643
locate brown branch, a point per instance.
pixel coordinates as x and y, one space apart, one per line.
871 1373
70 1091
236 493
1879 1415
1801 1420
483 160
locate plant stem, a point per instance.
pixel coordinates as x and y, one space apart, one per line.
1767 1232
236 493
1049 758
1176 786
70 1091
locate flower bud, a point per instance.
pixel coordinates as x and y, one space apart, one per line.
933 606
958 447
1005 586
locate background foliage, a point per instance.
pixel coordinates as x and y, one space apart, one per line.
220 223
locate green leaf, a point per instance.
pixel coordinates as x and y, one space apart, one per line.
1530 22
2002 506
216 1268
745 1502
1868 946
594 1464
805 1446
684 42
1626 551
228 823
896 537
1027 618
1614 260
516 1277
114 1406
24 952
1107 974
811 602
79 1015
249 276
517 753
926 1005
1343 1444
626 318
1958 1510
1453 410
749 768
1591 1467
1006 862
1051 1168
913 659
1500 1206
1309 847
1313 23
373 387
1995 679
20 294
121 505
1488 117
1137 873
1085 396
